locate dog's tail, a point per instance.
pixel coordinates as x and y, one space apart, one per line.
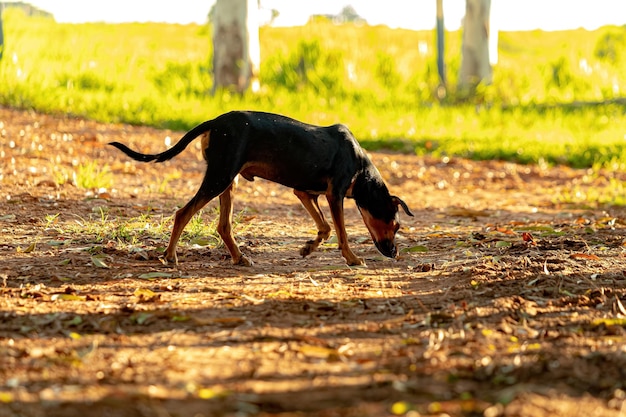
171 152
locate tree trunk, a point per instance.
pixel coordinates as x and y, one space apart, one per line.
1 33
475 65
236 51
441 69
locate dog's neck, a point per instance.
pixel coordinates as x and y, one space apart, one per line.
370 193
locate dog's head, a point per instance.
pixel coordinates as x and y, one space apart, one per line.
382 222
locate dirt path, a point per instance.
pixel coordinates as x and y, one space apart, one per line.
508 300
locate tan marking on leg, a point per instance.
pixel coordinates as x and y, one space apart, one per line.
224 227
336 209
204 143
181 218
309 202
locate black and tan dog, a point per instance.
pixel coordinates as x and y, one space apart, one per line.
312 160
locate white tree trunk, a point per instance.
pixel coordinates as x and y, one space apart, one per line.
475 65
440 44
1 33
236 50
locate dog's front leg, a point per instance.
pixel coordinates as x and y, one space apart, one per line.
224 228
336 210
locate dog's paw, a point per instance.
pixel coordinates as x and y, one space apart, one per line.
308 248
243 261
355 261
169 263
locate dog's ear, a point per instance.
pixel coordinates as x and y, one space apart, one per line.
398 202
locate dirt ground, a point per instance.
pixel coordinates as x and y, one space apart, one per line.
507 299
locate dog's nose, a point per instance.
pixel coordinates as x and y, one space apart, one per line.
387 248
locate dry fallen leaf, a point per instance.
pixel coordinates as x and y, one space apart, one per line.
417 248
318 352
153 275
99 263
226 321
618 307
465 212
6 397
145 295
587 256
68 297
142 317
29 249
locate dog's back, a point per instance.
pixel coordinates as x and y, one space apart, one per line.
280 149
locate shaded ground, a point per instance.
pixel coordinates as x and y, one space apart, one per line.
507 301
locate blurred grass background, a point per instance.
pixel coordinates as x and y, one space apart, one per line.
557 97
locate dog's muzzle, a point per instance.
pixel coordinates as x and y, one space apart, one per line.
387 248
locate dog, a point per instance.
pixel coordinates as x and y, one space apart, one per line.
312 160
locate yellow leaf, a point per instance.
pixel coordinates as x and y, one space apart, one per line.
144 293
68 297
435 407
207 393
74 335
318 352
609 322
400 408
210 393
513 348
29 249
280 294
6 397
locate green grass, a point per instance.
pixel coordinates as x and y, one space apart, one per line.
92 176
101 227
556 98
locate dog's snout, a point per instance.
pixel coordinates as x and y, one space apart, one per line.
387 247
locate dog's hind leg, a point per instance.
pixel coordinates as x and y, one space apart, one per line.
181 218
224 227
309 201
212 186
